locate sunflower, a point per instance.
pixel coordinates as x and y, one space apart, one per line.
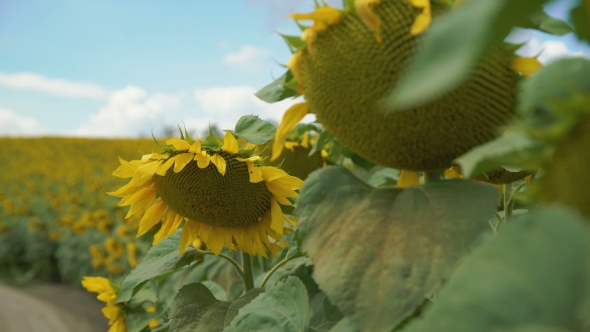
223 193
351 58
107 294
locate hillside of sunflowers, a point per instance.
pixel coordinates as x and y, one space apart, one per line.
443 186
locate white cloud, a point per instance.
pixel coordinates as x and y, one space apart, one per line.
129 111
248 56
548 51
225 105
61 87
13 124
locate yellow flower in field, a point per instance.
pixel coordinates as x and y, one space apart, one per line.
132 254
154 323
114 247
225 197
107 294
355 58
97 256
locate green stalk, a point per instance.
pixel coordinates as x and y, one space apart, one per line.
248 278
276 267
229 259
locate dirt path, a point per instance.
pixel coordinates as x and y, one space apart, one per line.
49 308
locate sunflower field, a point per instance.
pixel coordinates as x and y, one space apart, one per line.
443 187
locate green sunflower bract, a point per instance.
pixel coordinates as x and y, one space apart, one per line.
350 65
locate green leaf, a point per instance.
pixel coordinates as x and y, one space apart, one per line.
512 150
324 138
378 253
580 17
195 309
345 325
453 45
160 259
254 130
331 317
278 90
552 100
543 22
284 307
533 273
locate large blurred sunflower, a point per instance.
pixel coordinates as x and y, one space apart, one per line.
350 59
221 191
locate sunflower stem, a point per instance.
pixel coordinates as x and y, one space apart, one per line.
229 259
248 277
432 176
507 204
276 267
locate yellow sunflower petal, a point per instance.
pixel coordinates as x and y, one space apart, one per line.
219 162
253 158
125 190
276 223
125 170
215 242
151 217
179 144
190 232
270 173
423 19
182 160
326 14
305 141
166 166
141 205
294 64
255 173
290 119
366 14
291 146
137 196
526 65
196 147
230 143
145 172
408 179
202 159
177 220
166 225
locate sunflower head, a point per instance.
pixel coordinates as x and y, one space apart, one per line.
355 60
223 193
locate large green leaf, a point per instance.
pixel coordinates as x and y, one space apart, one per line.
254 130
284 307
330 316
452 46
552 99
533 273
160 259
196 309
378 253
512 150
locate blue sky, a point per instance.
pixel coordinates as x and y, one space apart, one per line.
122 68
